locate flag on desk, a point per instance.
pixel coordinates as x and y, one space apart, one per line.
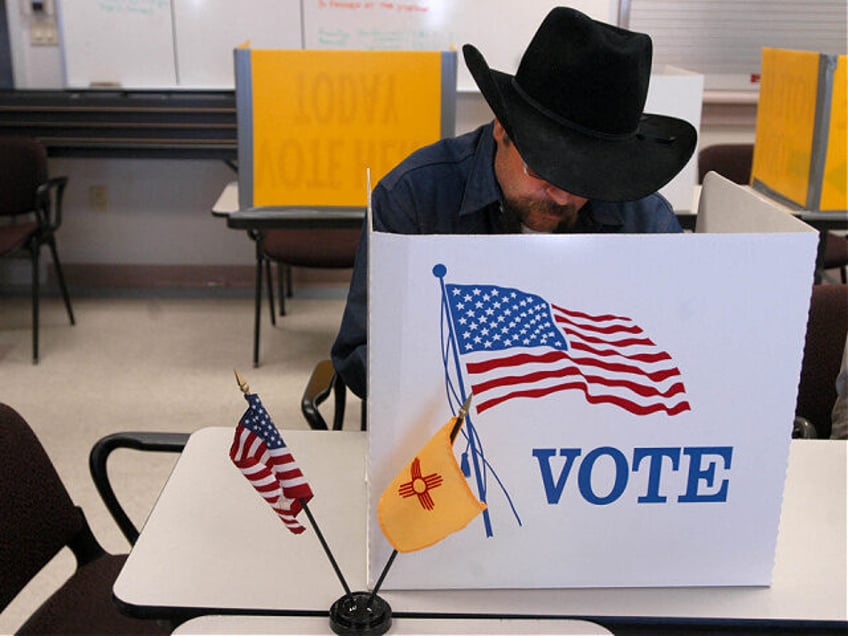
517 344
429 499
262 456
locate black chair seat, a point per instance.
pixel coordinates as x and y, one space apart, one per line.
331 248
14 236
76 609
38 520
31 213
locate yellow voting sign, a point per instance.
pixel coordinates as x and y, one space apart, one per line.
311 122
800 146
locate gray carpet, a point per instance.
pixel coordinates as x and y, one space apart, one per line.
161 361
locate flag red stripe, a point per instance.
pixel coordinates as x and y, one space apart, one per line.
515 361
639 357
656 376
637 409
539 376
581 314
611 329
555 356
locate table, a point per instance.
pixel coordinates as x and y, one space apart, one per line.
257 220
283 217
211 546
230 625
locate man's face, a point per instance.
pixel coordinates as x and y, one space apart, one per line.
539 205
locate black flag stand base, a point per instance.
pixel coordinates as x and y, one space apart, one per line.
360 613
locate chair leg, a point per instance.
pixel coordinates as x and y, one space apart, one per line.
270 290
34 249
289 286
258 294
61 278
283 285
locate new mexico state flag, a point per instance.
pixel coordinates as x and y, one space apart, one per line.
429 499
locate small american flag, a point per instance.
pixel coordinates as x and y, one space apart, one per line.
263 458
516 344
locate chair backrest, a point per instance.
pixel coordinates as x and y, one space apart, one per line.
827 328
23 167
731 161
37 516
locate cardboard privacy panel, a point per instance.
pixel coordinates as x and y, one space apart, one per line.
800 146
311 122
678 93
633 396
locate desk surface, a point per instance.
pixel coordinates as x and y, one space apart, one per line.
212 546
287 217
318 625
227 206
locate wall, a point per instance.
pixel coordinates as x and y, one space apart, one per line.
158 211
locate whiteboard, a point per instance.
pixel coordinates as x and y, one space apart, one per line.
117 42
501 29
189 43
207 31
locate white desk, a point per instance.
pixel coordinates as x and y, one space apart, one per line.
230 625
283 217
212 546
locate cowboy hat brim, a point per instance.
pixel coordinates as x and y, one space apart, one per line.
579 161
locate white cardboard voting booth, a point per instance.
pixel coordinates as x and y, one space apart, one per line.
633 396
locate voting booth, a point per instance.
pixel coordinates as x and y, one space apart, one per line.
801 146
633 396
311 122
678 92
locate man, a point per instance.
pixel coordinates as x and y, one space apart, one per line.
570 150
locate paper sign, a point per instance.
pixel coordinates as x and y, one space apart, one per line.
633 397
800 147
311 122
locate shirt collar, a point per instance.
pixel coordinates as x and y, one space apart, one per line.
481 190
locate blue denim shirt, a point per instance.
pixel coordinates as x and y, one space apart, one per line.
450 188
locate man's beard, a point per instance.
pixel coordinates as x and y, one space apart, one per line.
514 211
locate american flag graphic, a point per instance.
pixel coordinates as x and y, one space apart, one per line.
515 344
264 459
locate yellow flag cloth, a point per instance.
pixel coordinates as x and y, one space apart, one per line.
429 499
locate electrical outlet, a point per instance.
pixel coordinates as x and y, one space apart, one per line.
43 31
98 195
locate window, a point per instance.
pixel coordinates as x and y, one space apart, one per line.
723 39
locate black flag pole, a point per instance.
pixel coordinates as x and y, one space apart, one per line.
242 383
324 545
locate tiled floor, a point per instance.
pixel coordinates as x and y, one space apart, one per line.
157 362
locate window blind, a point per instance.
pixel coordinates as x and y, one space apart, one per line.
723 39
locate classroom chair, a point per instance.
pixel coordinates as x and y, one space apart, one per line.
827 328
324 382
328 248
39 520
30 214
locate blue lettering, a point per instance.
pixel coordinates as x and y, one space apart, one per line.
707 474
705 481
584 476
554 491
655 470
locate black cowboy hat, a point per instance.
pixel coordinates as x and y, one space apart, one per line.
574 109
